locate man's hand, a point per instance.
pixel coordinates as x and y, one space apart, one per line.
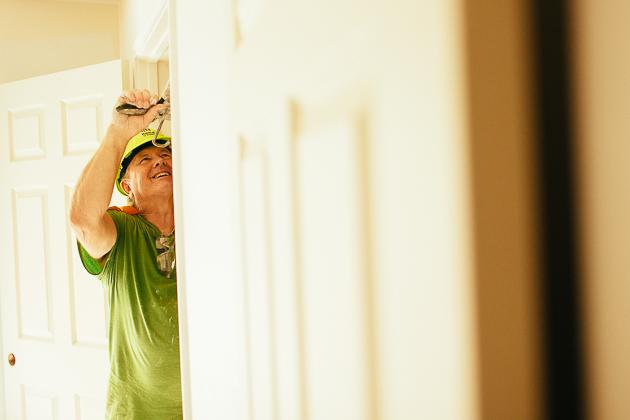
126 126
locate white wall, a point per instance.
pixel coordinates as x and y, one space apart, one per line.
41 37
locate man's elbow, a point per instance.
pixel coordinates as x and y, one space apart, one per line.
77 222
80 221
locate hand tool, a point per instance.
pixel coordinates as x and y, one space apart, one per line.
130 109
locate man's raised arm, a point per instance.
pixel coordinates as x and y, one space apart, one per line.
94 229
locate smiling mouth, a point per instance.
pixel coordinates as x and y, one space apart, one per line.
161 175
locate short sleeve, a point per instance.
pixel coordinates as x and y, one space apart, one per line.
91 264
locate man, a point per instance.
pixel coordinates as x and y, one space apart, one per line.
132 251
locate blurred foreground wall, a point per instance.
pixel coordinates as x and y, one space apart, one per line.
503 175
602 115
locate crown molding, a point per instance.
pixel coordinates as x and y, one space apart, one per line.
152 44
111 2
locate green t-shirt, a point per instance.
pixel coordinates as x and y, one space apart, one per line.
143 329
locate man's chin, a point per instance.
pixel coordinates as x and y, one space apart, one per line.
164 189
166 182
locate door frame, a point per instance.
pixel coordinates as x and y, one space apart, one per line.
3 407
158 42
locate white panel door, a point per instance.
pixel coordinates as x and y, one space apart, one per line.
54 315
323 185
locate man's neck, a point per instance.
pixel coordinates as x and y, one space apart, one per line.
160 213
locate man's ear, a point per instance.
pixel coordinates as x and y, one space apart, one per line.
124 183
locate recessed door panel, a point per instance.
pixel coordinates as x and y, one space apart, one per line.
258 285
26 132
38 404
34 298
82 123
332 273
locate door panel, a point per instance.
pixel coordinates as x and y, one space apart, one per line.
53 313
258 279
332 270
32 281
26 133
39 404
82 124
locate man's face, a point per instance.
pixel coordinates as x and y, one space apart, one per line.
149 173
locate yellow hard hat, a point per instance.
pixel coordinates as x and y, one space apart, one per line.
138 142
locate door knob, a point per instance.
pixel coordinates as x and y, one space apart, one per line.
11 359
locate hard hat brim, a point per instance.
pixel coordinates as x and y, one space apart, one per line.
136 143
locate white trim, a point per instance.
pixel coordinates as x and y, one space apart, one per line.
184 344
152 44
